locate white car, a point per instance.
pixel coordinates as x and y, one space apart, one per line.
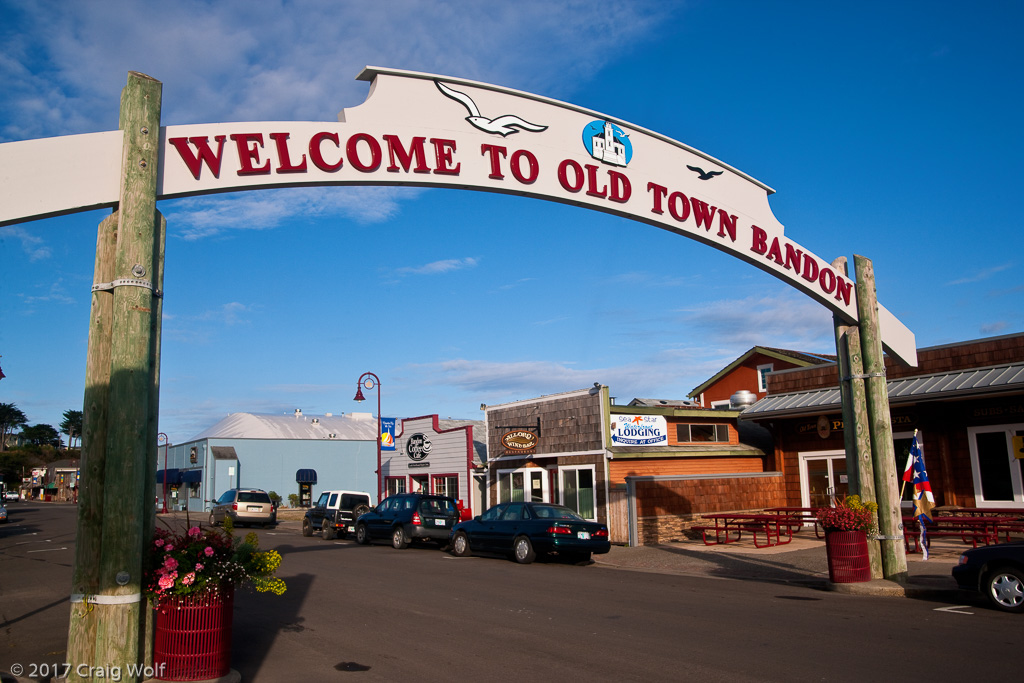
11 495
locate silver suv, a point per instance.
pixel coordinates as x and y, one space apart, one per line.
244 507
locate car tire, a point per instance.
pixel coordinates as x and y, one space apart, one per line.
522 550
328 532
460 545
399 541
362 537
359 510
307 528
1004 588
213 520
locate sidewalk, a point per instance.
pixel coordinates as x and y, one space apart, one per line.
800 562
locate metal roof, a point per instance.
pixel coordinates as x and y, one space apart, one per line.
939 386
349 427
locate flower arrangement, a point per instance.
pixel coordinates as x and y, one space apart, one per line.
850 514
198 563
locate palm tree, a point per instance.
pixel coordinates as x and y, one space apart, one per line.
72 426
10 419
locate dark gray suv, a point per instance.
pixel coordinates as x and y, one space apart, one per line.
407 517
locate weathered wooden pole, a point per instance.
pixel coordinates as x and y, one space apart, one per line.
890 518
856 429
82 628
130 438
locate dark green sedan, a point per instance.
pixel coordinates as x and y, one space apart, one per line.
525 530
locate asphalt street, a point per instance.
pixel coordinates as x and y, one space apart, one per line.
375 613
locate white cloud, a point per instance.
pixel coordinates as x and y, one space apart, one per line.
32 245
789 320
439 267
980 275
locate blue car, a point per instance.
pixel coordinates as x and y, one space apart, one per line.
524 530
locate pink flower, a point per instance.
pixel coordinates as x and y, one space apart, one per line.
208 551
194 531
199 567
169 547
188 578
159 543
170 562
167 581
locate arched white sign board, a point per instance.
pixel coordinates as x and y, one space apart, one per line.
435 131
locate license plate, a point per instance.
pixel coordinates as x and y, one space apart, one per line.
255 508
351 528
439 522
584 535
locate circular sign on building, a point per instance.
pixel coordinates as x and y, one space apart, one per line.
417 447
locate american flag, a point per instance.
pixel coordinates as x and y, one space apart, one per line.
924 501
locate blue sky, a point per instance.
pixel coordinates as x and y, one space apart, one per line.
890 130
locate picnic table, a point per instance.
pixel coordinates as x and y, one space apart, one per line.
986 529
804 514
729 528
979 512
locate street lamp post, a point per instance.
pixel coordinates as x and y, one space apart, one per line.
371 381
162 438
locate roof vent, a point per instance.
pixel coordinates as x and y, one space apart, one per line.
742 400
316 420
298 412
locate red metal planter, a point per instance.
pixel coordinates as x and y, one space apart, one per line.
847 553
193 636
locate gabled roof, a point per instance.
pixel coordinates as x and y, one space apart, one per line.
939 386
799 358
659 402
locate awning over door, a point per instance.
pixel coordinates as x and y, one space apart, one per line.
191 476
173 476
305 477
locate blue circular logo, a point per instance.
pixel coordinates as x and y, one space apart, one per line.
608 143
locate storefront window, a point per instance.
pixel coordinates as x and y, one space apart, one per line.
521 485
447 485
420 483
395 485
578 491
997 473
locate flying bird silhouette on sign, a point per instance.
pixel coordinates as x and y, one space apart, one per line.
702 174
502 125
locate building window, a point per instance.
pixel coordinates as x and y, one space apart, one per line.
762 379
447 485
516 486
702 433
420 483
997 473
578 490
394 485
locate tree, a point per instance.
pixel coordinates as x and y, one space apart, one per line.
11 418
41 435
72 426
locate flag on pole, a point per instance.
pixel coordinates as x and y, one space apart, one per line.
924 501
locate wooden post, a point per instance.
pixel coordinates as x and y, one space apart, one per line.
125 520
890 518
152 452
856 428
82 627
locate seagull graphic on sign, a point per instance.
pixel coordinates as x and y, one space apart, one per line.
502 125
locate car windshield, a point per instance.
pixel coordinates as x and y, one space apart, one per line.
555 512
253 497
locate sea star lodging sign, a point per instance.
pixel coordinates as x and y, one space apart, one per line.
436 131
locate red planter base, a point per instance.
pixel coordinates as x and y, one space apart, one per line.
847 553
193 637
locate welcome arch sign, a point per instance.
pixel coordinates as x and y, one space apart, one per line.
427 130
414 129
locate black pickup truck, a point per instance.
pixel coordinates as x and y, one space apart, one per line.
335 513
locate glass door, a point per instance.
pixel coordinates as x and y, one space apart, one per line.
823 478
